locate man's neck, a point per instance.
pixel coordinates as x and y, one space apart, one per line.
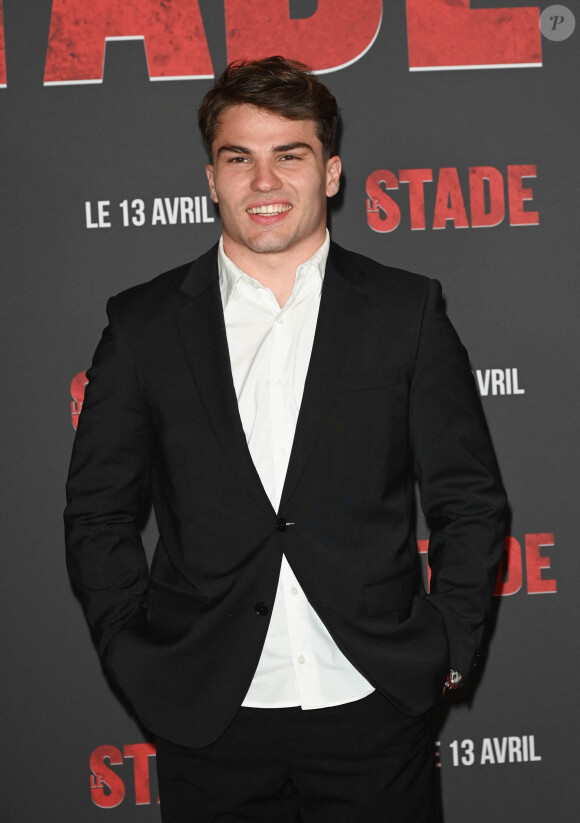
277 270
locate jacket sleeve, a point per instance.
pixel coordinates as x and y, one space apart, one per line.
108 478
460 488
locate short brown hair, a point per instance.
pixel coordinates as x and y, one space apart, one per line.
284 87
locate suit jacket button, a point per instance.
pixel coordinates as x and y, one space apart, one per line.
281 524
261 609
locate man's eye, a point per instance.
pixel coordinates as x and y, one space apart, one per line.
237 159
290 157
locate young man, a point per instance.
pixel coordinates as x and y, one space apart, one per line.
279 395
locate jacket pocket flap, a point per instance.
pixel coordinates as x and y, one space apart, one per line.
368 379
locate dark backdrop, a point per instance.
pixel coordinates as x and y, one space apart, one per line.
483 104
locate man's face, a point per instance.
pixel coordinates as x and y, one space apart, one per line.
271 181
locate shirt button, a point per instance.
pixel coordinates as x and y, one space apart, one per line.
279 319
261 609
302 659
294 590
281 524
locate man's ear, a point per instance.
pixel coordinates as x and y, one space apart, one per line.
211 182
333 171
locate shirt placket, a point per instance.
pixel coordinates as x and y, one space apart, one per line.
297 616
284 418
283 415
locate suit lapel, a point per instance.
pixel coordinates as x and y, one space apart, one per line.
202 329
203 333
341 312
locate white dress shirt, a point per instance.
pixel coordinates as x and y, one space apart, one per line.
270 350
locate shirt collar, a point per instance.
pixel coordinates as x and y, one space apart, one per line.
230 274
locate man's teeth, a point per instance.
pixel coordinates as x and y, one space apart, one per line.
269 209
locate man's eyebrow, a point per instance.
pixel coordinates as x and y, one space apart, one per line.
233 148
292 147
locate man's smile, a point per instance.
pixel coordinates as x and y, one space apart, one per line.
272 208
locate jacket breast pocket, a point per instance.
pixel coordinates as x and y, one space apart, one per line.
390 595
364 379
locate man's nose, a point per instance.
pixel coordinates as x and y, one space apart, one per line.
265 177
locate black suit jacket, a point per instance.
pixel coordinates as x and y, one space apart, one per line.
389 397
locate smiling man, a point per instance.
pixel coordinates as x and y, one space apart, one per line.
279 397
270 177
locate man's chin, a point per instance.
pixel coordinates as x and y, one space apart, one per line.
268 244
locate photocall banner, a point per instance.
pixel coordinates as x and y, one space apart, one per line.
459 147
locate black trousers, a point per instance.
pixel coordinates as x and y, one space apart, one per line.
363 762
